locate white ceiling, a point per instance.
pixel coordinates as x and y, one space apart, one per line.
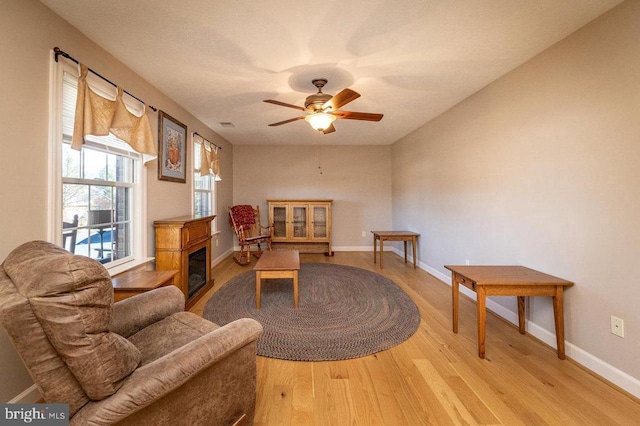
409 59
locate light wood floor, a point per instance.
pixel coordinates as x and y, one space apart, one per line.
435 377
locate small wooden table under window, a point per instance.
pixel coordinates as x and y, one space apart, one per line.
135 282
508 281
278 264
404 236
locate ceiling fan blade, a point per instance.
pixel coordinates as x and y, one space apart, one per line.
350 115
271 101
329 129
287 121
341 99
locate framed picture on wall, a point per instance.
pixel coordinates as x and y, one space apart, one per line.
172 149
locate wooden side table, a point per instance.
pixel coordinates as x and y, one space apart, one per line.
135 282
404 236
508 281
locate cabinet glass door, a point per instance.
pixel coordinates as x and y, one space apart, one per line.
299 221
279 222
319 222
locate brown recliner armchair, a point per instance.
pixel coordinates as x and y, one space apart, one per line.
139 361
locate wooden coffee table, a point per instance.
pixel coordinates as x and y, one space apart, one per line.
278 264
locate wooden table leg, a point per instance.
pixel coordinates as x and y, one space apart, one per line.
558 315
454 299
374 249
482 319
381 251
413 243
295 289
405 250
258 279
521 315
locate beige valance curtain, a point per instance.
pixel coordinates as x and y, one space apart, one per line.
96 115
209 159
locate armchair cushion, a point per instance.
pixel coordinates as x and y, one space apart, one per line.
55 380
169 334
135 313
72 298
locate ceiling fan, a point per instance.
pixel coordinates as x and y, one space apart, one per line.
323 109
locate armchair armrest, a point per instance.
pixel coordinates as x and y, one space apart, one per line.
135 313
157 379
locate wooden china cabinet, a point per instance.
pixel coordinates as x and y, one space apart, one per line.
304 225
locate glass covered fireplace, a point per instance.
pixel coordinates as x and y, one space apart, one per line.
197 270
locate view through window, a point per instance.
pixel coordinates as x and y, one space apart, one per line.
203 188
98 185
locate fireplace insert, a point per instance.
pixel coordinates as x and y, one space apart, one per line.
197 270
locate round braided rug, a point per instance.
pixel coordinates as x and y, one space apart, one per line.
344 312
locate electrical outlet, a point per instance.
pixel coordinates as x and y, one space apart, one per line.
466 262
216 242
617 326
364 234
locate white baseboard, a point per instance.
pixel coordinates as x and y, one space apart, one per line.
220 258
596 365
353 248
335 248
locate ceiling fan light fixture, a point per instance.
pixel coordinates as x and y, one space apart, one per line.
320 121
322 109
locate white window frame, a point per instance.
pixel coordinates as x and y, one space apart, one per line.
212 192
139 207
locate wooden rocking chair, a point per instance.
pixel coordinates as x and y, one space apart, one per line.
245 221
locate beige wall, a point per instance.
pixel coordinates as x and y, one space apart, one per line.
357 178
541 168
29 31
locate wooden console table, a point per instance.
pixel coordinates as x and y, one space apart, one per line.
405 236
508 281
135 282
176 240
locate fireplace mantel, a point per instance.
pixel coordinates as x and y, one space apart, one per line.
176 240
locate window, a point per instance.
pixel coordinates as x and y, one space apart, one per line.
98 197
204 200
